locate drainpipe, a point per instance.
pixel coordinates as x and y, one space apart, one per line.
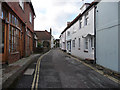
1 28
95 33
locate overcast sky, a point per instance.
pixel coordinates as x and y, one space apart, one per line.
55 14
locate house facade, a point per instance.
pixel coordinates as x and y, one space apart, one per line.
44 38
108 35
79 36
63 41
17 20
52 41
83 33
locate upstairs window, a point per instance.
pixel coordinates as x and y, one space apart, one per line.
30 17
92 42
21 3
86 19
68 33
80 23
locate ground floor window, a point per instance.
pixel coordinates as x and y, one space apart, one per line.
92 42
79 42
14 39
86 43
29 40
73 42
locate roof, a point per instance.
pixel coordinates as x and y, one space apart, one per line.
80 15
85 4
32 8
43 35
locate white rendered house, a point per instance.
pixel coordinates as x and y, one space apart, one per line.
63 41
80 33
52 41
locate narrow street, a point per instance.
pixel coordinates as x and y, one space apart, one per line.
58 70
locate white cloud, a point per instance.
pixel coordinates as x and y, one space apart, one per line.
55 14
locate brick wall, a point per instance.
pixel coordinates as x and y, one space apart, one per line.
23 14
13 57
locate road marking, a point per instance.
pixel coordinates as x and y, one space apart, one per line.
29 72
100 72
36 75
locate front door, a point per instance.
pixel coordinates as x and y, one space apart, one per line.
3 45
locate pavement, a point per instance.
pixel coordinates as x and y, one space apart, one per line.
11 72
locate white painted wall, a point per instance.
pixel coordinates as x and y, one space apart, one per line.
77 33
63 41
68 41
52 42
107 52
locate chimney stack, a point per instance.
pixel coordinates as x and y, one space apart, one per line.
68 23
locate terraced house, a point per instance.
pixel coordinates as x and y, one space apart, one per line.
79 34
17 30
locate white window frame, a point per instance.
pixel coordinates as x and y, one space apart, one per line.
86 43
30 17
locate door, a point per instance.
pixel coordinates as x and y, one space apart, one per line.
3 44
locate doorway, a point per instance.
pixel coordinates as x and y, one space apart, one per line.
3 44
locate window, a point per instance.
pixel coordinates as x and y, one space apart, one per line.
28 40
92 42
86 19
30 17
80 23
14 35
86 43
2 14
21 3
73 43
68 33
13 19
5 15
79 42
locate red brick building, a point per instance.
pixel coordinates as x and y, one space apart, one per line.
44 37
17 30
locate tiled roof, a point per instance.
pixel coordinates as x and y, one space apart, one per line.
43 35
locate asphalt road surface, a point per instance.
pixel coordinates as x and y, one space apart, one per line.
58 70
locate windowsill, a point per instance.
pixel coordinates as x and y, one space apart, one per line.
14 53
78 48
86 50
